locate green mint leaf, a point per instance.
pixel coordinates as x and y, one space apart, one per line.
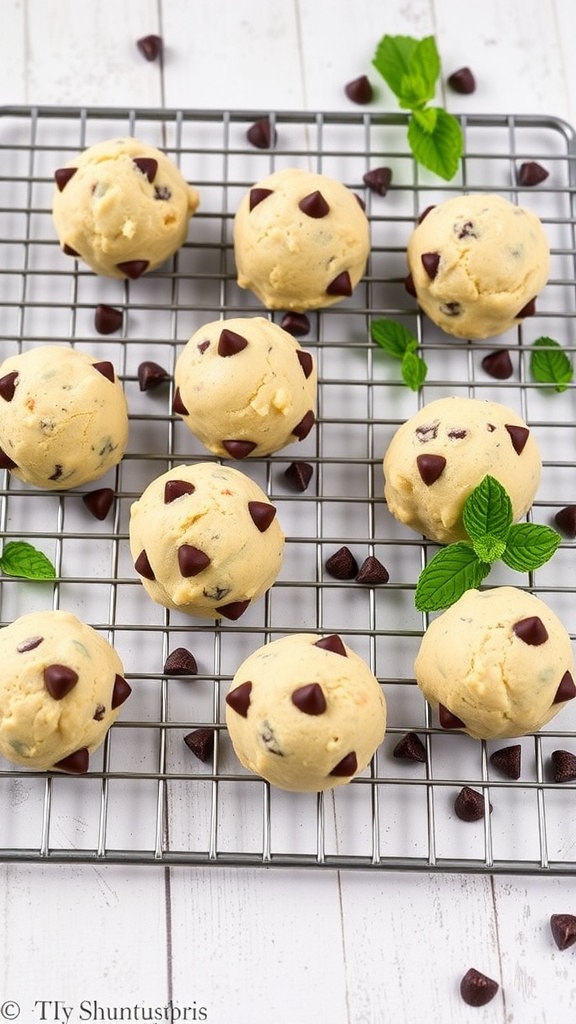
393 59
22 559
441 149
426 64
451 572
529 546
549 364
413 370
413 94
393 337
489 548
410 67
488 513
427 119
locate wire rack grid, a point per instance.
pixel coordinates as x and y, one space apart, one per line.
147 798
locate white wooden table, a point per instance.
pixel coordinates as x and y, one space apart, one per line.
261 945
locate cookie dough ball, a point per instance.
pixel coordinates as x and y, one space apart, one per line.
439 456
477 263
306 714
497 664
301 240
245 387
61 688
205 540
123 207
63 417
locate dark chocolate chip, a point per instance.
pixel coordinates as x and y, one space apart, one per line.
466 230
332 643
469 805
431 262
566 690
299 475
68 250
518 436
150 47
151 375
191 560
239 699
147 165
342 565
99 502
310 699
462 81
133 268
180 662
347 766
5 461
262 514
457 434
143 567
410 286
451 308
233 610
120 691
314 205
178 405
202 346
296 324
508 760
257 196
528 310
563 927
59 680
201 743
239 449
106 369
30 644
476 989
531 631
174 489
8 385
448 720
305 360
378 180
99 713
230 343
57 472
372 571
63 175
563 766
498 364
531 173
427 431
410 748
76 763
107 320
430 467
261 134
269 739
359 90
162 193
302 429
425 213
341 285
565 518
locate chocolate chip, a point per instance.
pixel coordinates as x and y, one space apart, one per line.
174 489
162 193
147 165
5 461
99 713
296 324
476 989
106 369
563 927
230 343
372 571
239 699
427 431
202 346
566 690
76 763
430 467
262 514
257 196
498 364
99 502
239 449
531 631
30 644
347 766
410 286
425 213
457 434
332 643
68 250
563 766
469 805
299 475
341 285
305 360
180 662
120 692
531 173
378 180
178 405
518 436
410 748
233 610
448 720
451 308
63 175
8 385
143 567
269 740
133 268
342 565
191 560
150 47
565 518
57 472
462 81
261 134
359 90
314 205
430 262
59 680
528 310
310 699
107 320
201 743
302 429
508 760
151 375
466 230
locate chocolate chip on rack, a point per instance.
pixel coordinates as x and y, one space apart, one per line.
477 989
150 47
498 364
120 692
107 319
372 571
508 760
469 805
565 518
449 720
347 766
342 565
299 475
378 180
76 763
359 90
296 324
99 502
410 748
563 765
151 375
531 173
261 134
133 268
563 928
201 743
180 662
462 81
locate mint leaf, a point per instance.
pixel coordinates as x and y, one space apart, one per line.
427 119
410 67
549 364
451 572
489 548
439 151
529 546
393 337
488 512
413 370
22 559
414 93
393 59
426 64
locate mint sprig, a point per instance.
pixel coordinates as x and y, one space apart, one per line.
549 364
411 68
22 559
397 341
487 518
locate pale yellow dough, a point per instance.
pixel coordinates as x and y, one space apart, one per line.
263 394
292 260
488 259
230 525
112 211
38 726
63 417
476 438
296 749
473 663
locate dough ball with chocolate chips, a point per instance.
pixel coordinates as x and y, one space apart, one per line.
61 688
305 713
205 540
245 387
123 207
437 458
301 240
63 417
497 664
477 263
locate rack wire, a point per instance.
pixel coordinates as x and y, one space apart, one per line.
147 798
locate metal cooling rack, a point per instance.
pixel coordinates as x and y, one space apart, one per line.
147 799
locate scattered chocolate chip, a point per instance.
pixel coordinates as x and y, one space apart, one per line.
457 434
431 262
372 571
147 165
162 193
563 766
76 763
174 489
518 436
191 560
451 308
302 429
133 268
68 250
378 180
531 631
261 514
508 760
62 176
563 927
305 360
462 81
239 699
178 405
261 134
257 196
239 449
531 173
296 324
410 286
106 369
59 680
425 213
469 805
448 720
99 713
99 502
341 285
430 467
150 47
314 205
180 662
143 567
332 643
107 320
151 375
342 565
310 699
347 766
201 743
427 431
5 461
8 385
299 475
566 690
269 740
120 692
490 428
233 610
230 343
215 593
359 90
528 310
410 748
476 989
30 644
57 472
203 346
498 364
565 518
466 230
